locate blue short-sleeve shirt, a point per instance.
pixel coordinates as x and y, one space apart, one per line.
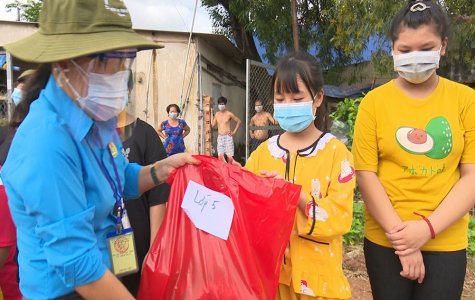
59 198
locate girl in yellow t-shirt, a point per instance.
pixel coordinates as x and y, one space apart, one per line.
312 266
414 148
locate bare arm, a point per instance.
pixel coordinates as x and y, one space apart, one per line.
376 200
238 123
457 202
163 169
213 119
157 213
251 132
411 235
161 133
4 251
380 207
186 131
271 119
106 287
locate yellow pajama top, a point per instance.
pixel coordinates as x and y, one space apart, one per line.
325 171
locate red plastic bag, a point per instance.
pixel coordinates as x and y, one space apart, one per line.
185 262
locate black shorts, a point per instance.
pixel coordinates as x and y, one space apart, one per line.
444 277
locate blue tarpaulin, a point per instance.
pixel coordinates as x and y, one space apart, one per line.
3 63
339 92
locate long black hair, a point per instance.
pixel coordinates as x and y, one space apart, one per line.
306 67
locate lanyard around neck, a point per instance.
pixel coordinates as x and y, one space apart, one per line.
116 191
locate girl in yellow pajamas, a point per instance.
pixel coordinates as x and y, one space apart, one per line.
316 160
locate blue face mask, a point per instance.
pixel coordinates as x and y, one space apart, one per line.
294 117
17 96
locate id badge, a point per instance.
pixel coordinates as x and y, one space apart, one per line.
122 252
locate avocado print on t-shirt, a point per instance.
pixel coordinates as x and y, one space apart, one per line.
435 141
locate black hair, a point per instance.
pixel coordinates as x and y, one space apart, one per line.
130 81
434 15
33 85
307 68
22 79
222 100
175 106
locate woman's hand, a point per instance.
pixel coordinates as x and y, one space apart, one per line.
413 266
167 166
303 199
409 236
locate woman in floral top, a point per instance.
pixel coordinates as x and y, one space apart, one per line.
173 131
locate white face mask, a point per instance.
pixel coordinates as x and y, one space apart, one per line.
221 107
258 108
173 115
107 94
416 66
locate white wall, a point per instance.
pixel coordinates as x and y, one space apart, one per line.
165 86
159 83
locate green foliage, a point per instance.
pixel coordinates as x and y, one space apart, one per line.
346 112
356 233
3 122
339 32
471 236
29 11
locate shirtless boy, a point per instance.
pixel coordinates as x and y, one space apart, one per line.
261 118
223 118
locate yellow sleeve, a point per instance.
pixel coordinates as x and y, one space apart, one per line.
365 144
467 117
252 162
334 212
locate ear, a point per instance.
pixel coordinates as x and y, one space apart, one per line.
317 101
445 43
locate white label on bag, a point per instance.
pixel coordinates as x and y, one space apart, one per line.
209 211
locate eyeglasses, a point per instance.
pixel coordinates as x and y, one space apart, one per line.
115 54
112 61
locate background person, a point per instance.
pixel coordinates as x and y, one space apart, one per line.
173 131
142 145
414 148
8 132
322 165
17 93
66 151
222 119
260 118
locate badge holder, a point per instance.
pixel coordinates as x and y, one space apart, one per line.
121 243
122 252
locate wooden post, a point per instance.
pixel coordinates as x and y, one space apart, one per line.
295 29
155 100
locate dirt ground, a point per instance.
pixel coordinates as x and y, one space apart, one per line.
355 270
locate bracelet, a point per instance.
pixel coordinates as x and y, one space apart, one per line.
432 232
154 175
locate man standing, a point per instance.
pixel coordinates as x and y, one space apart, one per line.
223 118
261 118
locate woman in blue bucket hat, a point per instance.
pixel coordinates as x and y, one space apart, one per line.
65 177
